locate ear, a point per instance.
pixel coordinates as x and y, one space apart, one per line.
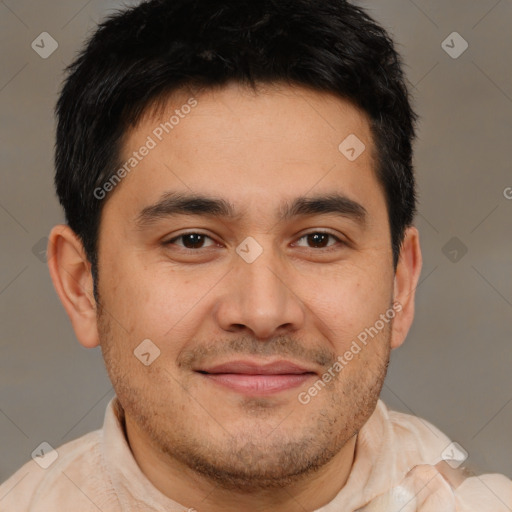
70 271
406 280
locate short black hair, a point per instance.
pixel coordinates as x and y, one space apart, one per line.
141 55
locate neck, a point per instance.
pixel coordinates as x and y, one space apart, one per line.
190 489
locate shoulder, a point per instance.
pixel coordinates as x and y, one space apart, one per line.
485 493
415 438
420 442
55 478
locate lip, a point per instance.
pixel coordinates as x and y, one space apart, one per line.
247 367
256 379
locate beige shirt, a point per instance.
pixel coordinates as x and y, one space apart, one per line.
97 472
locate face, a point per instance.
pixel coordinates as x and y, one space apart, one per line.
254 255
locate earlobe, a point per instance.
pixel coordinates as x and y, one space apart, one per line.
406 280
70 271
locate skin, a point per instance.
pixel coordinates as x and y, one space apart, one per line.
200 443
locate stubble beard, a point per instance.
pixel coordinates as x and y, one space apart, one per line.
247 461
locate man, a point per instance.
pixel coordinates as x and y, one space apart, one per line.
239 193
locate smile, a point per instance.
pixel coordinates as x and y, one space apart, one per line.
258 379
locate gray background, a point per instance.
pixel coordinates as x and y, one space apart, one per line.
455 367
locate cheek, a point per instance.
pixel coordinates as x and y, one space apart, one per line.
346 302
157 301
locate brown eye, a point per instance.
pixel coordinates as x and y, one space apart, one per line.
190 240
319 239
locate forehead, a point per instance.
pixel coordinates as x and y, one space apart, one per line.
250 147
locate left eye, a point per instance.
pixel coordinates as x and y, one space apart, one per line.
319 239
191 240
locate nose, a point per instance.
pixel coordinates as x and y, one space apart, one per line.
260 298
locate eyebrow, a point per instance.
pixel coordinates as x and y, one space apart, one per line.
178 203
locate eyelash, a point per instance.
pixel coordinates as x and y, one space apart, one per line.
319 232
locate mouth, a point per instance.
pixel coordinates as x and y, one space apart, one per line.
257 379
